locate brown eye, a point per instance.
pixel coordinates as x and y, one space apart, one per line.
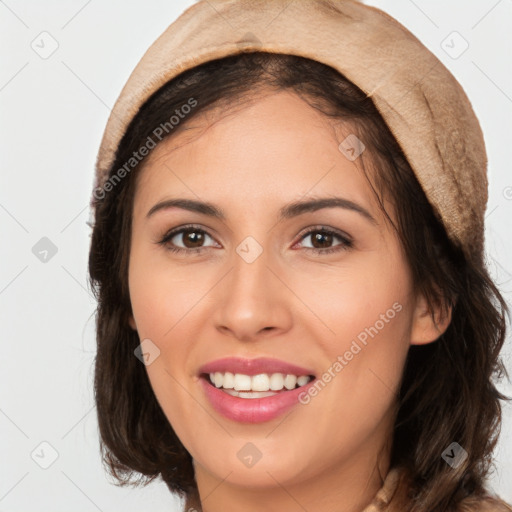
321 240
192 238
188 238
325 241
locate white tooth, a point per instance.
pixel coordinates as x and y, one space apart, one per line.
242 382
249 394
276 381
219 379
212 378
290 381
303 379
256 394
229 381
260 382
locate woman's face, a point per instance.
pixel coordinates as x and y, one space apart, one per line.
268 271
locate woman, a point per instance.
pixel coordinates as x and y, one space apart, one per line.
294 312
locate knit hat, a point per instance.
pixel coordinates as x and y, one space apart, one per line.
424 106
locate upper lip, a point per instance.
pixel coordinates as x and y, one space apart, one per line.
253 366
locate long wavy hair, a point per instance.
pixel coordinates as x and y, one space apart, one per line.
447 390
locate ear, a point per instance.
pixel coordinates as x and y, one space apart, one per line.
131 322
427 325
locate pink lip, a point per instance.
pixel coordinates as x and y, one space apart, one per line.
253 366
252 410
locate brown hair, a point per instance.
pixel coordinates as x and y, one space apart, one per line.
447 392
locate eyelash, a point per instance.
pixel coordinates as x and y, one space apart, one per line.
346 242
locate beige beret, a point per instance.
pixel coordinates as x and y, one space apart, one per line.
420 100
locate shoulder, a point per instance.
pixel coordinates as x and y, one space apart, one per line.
483 504
395 497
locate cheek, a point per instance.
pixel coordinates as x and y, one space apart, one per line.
364 336
163 310
161 297
368 299
166 304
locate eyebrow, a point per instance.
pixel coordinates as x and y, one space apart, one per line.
312 205
188 204
290 210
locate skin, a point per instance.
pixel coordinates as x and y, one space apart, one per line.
290 304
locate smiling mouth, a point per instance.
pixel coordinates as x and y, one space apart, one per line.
255 386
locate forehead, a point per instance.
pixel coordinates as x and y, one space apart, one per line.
274 148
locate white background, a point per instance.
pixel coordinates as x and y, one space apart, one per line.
53 112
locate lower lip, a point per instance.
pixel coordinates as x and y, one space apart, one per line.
252 410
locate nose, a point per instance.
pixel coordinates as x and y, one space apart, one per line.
252 302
